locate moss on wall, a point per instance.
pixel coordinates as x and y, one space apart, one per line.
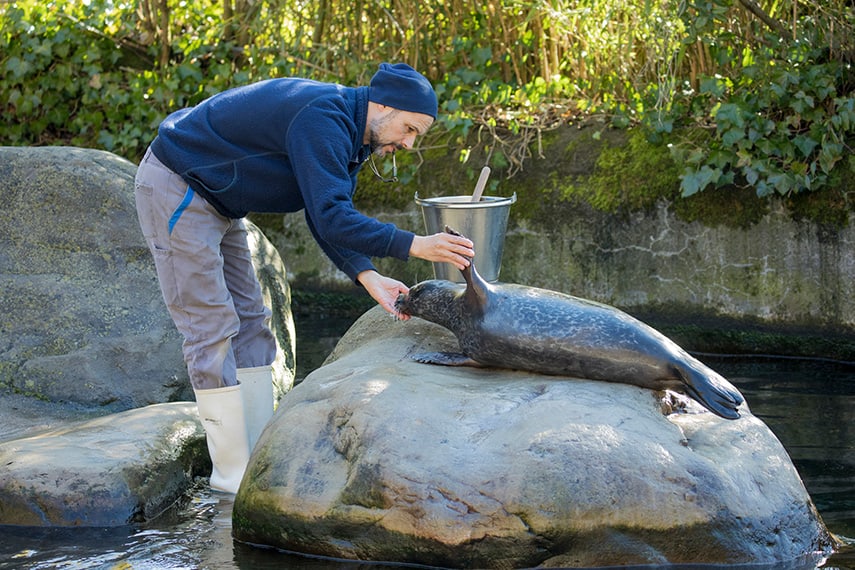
629 174
729 206
830 207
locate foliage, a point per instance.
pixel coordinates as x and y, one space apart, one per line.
779 112
75 74
765 88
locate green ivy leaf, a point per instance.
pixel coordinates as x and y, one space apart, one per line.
729 115
830 154
693 181
805 144
751 176
780 182
713 86
733 136
17 67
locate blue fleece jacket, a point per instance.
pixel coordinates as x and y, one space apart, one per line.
284 145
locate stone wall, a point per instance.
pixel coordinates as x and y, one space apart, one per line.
778 270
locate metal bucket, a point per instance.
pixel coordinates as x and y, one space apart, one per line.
484 222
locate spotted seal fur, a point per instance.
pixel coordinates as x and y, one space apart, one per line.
525 328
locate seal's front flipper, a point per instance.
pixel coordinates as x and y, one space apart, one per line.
444 359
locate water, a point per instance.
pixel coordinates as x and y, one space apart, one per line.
810 405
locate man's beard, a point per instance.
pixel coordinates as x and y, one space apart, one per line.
375 145
378 147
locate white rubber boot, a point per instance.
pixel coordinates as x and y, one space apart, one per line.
257 385
222 414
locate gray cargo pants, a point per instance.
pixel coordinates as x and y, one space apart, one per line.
204 266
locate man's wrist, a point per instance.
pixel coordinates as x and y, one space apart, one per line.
366 275
414 246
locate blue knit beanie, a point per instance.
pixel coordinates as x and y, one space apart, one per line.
401 87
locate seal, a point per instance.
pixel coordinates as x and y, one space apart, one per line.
526 328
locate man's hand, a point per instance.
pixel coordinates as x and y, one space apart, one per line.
443 247
384 290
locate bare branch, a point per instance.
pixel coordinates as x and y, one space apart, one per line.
770 22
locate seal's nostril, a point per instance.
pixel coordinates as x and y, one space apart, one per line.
401 303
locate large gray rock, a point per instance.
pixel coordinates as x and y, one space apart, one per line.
110 471
378 457
82 320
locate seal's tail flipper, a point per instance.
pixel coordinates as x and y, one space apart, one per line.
711 390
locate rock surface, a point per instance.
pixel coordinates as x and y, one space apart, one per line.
376 457
110 471
83 333
82 320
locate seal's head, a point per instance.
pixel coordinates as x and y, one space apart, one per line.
433 301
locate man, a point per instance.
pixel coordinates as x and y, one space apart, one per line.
280 145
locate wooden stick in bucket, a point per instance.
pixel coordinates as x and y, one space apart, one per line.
482 183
